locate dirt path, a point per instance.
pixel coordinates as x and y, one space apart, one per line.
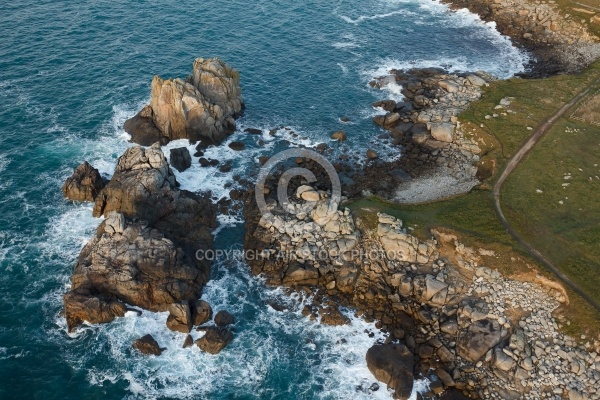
510 167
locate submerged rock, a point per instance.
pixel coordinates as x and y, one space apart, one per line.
204 105
237 146
84 184
333 316
339 136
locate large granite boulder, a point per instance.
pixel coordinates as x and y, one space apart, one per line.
474 342
180 159
140 267
393 365
142 186
84 184
180 317
147 345
443 131
215 340
201 312
204 105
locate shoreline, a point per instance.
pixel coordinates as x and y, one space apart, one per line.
558 43
428 284
415 289
551 59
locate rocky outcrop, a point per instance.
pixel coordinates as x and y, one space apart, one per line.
473 329
141 187
138 266
393 365
147 345
214 340
204 106
437 161
143 254
180 159
84 184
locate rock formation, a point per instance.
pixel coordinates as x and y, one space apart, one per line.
224 318
201 312
204 106
180 159
180 317
464 325
215 339
84 184
437 160
143 254
393 365
147 345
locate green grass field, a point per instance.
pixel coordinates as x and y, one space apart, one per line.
569 233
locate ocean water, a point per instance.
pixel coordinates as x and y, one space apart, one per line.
72 72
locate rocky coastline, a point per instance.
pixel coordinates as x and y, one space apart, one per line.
448 316
438 159
558 43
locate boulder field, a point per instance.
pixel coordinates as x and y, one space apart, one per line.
438 159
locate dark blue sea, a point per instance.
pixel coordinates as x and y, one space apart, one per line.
72 72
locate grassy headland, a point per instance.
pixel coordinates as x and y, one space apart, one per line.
569 233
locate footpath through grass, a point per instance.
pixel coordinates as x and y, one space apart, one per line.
569 233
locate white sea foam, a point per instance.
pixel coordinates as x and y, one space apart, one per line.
69 231
4 161
343 67
267 342
376 16
266 338
513 59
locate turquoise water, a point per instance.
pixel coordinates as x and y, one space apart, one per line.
70 74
